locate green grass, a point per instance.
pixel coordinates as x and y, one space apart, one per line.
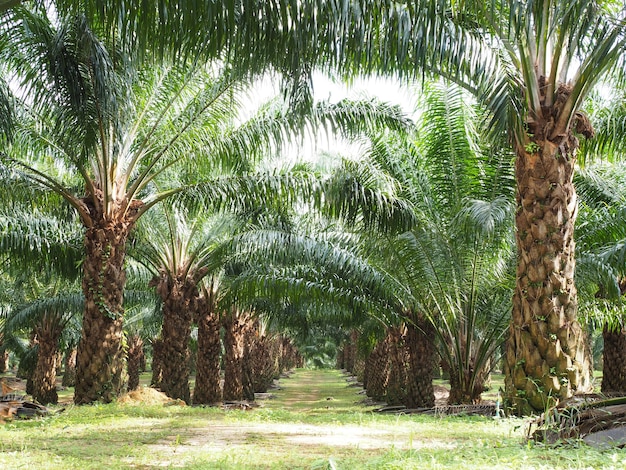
315 422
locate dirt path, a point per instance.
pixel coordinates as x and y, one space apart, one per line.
306 398
316 391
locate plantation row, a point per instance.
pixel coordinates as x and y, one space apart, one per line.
151 196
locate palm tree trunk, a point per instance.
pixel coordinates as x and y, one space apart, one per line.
69 369
547 358
290 357
396 386
44 377
157 363
421 356
349 351
613 360
359 367
233 357
100 357
208 390
377 370
340 363
135 355
247 362
462 390
265 367
179 304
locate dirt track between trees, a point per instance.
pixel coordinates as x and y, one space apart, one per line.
314 395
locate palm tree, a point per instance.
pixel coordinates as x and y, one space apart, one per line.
121 130
93 120
180 252
46 315
452 265
440 274
531 64
207 390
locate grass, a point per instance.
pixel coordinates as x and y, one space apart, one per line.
315 422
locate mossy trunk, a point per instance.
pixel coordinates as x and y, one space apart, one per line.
614 360
233 357
208 390
135 356
44 388
179 296
100 357
421 356
547 358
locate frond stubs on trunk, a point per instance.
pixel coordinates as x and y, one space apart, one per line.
546 127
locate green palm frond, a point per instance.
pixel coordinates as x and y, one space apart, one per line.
363 197
46 243
609 122
171 241
57 308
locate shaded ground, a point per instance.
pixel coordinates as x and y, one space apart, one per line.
316 421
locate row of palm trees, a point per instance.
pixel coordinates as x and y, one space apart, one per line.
530 65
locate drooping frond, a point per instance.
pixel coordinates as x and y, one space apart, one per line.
57 308
43 242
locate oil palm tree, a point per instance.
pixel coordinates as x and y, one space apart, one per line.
121 129
98 121
180 251
531 64
46 312
452 265
450 197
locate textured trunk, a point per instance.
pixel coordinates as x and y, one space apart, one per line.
179 298
157 363
247 362
396 386
265 365
44 377
547 358
208 390
421 355
100 358
614 360
135 355
233 357
69 369
350 352
464 390
290 357
378 370
359 367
